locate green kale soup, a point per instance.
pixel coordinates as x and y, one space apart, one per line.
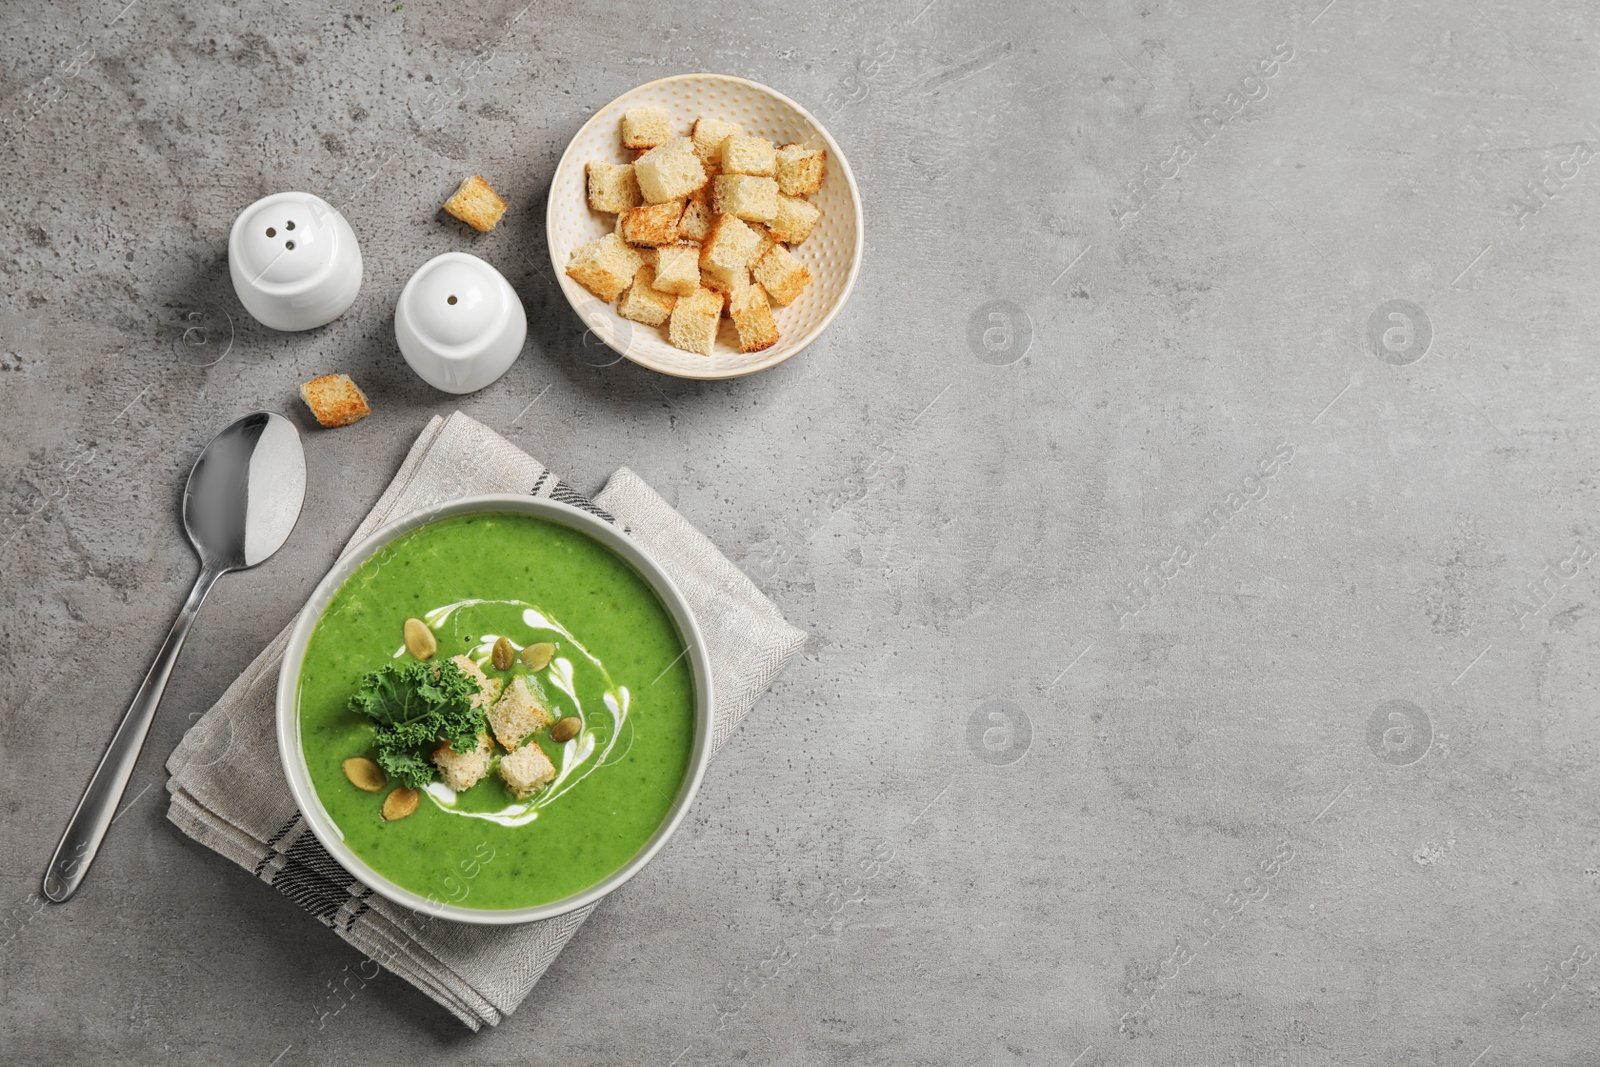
559 637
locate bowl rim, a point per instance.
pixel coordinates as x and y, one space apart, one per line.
292 756
838 164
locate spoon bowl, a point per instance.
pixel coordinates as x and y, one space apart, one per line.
239 507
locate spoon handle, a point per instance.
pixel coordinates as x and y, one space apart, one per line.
95 812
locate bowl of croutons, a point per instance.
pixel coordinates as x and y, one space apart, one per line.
705 226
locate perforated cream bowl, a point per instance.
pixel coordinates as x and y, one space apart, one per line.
832 253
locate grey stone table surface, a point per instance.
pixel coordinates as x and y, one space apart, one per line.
1190 510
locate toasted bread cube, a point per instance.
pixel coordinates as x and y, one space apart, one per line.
526 771
800 170
750 198
695 320
726 256
725 279
645 127
604 267
729 244
517 714
677 269
653 224
475 204
335 400
794 220
709 135
696 222
703 194
764 241
748 155
670 171
643 302
488 688
612 186
752 316
462 770
781 275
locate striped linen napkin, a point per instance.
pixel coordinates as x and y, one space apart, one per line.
227 787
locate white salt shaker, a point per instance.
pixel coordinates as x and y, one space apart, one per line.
294 261
459 323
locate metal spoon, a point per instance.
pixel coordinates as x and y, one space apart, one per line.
241 503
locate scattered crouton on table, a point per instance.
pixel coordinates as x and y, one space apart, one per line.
475 204
335 400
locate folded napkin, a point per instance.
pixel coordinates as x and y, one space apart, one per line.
227 785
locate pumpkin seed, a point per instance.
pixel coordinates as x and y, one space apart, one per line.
364 774
503 655
566 729
538 656
400 803
420 641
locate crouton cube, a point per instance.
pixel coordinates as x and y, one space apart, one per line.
752 317
764 241
526 771
488 688
748 155
612 186
750 198
703 194
677 269
604 267
709 135
725 279
645 127
800 170
670 171
643 302
782 275
335 400
696 221
517 714
695 320
653 224
475 204
729 244
462 770
794 220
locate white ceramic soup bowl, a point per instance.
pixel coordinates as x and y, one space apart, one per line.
288 718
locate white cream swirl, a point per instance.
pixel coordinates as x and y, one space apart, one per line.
595 744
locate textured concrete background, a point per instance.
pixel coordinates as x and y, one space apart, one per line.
1319 788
